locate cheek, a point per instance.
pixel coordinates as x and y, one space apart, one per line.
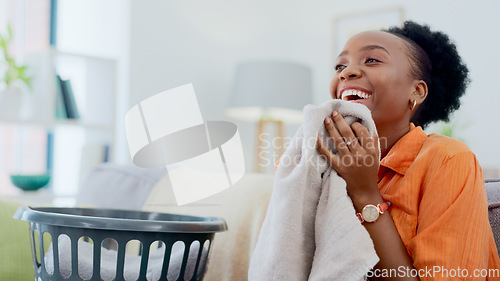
394 87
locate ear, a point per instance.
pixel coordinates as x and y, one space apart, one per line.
420 91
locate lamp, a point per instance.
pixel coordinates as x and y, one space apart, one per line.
270 92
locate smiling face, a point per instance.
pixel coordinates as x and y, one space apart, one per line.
374 69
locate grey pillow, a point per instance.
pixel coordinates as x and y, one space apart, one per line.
114 186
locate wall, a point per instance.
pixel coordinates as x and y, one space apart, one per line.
3 16
175 42
178 42
163 44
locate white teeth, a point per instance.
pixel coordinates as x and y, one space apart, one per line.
351 92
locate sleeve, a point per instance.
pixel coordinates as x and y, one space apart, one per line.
452 238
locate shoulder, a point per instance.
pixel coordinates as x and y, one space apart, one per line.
444 147
450 163
446 160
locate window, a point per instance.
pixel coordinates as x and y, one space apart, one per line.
23 147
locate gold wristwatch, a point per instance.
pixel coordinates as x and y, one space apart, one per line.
371 213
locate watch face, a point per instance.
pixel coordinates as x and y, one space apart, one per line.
370 213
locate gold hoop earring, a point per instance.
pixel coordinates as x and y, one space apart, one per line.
412 107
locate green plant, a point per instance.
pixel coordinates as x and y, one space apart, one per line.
13 72
448 129
452 128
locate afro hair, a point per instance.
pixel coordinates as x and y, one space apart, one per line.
435 60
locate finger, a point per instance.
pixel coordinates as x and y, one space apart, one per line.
361 132
345 130
335 136
331 158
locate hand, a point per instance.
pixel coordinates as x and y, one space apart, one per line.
357 161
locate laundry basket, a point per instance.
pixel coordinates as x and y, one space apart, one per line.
77 243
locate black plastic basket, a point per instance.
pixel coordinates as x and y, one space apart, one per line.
111 230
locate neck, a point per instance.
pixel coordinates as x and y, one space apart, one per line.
389 135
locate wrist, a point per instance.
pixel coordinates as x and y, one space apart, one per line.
366 198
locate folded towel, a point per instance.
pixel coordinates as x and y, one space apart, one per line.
132 262
311 231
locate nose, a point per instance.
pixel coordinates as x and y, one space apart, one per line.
349 72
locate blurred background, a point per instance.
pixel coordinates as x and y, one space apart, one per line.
88 62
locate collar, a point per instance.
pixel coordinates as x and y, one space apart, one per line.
405 150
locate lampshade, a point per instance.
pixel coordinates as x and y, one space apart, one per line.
270 89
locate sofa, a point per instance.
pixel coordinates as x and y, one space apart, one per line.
129 187
493 195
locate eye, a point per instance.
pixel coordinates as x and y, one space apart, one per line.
371 60
339 67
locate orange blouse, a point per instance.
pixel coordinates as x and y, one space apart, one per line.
436 188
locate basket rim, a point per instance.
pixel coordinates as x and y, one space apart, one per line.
93 218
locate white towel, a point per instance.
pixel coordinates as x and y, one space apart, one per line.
132 262
311 231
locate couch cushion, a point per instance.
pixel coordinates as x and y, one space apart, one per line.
493 194
115 186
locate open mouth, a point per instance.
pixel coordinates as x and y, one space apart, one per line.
351 95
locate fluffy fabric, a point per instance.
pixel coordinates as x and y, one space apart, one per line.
311 231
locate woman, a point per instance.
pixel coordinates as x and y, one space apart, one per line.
438 225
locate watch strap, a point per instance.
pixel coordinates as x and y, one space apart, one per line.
382 207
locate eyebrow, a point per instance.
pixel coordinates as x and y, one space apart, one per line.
367 47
